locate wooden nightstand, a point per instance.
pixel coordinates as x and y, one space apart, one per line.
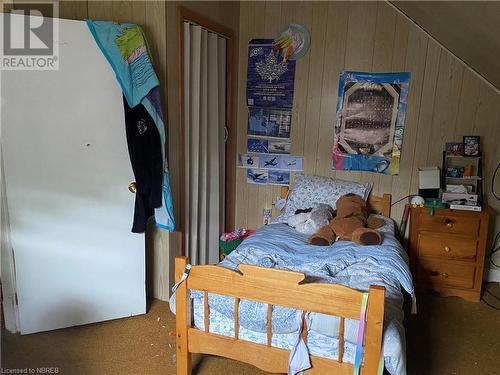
447 251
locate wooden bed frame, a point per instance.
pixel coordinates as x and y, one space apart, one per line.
275 287
379 205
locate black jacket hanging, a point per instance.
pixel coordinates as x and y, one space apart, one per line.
144 148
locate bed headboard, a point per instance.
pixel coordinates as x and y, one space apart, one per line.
379 205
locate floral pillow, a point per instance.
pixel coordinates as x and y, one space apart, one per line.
309 191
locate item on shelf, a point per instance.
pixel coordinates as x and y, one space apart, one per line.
451 188
471 145
455 172
468 170
449 198
464 176
454 149
466 207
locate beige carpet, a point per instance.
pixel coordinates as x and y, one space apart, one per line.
448 336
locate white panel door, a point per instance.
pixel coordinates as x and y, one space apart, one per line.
67 172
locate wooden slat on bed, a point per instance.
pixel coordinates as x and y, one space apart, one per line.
272 287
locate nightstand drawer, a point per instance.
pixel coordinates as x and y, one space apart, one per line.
446 273
446 247
465 226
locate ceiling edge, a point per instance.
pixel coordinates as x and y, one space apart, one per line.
479 75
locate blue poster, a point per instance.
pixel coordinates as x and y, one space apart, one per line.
369 128
270 79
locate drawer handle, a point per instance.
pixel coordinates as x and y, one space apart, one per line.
444 275
447 249
449 223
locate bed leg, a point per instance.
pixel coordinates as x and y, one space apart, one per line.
182 319
374 329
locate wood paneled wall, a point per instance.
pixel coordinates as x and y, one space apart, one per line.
159 21
447 100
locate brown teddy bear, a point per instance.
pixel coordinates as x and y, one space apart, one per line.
352 223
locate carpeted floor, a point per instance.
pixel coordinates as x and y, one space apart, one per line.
448 336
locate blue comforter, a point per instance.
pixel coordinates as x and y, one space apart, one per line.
280 246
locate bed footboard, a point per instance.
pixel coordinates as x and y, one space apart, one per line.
272 287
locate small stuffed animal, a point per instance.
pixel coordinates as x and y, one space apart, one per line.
352 223
308 221
417 201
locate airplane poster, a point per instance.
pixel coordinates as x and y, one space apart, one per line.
268 146
260 146
279 178
292 163
270 162
257 176
275 162
278 147
281 162
248 161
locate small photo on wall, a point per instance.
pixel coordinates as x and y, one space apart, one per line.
268 146
248 161
260 146
279 147
279 178
270 162
257 176
293 163
471 145
269 122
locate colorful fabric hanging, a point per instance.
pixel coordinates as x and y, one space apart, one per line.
126 50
